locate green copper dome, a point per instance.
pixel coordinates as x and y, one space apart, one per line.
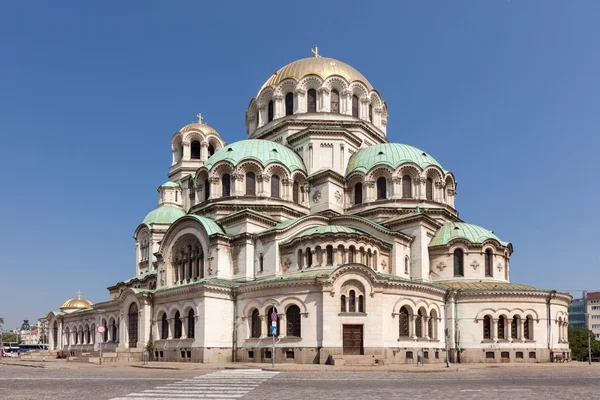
391 154
265 152
163 215
170 184
461 230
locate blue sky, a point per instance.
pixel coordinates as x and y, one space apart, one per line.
503 93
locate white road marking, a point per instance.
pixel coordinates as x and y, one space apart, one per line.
228 384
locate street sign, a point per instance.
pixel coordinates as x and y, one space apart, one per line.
274 330
273 316
273 323
100 329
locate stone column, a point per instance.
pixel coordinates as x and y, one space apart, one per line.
369 185
300 101
324 103
263 326
278 111
508 327
204 151
186 151
262 109
412 326
495 329
425 320
346 102
363 111
171 323
421 184
396 187
213 181
183 327
282 325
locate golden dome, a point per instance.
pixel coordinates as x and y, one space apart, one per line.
196 126
76 303
321 66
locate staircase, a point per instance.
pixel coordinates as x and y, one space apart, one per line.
357 361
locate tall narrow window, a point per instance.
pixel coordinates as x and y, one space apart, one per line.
269 313
300 259
312 101
352 301
352 254
419 325
226 184
289 104
261 263
309 259
191 324
429 189
270 111
329 255
256 322
381 188
293 321
343 303
487 327
355 106
370 113
195 150
164 327
105 334
527 331
459 269
211 150
404 326
501 326
514 327
275 186
177 327
250 184
361 303
206 190
406 261
358 193
489 263
295 192
335 102
407 187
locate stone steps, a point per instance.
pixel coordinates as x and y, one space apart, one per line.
357 360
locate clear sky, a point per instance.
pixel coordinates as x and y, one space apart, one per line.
505 94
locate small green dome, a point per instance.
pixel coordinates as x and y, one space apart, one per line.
264 152
461 230
170 184
163 215
391 154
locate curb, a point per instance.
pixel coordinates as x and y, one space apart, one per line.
24 365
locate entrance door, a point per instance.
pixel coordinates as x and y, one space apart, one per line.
353 339
133 325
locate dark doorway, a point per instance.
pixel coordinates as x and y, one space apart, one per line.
353 339
133 325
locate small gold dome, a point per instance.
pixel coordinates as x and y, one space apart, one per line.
76 303
322 66
196 126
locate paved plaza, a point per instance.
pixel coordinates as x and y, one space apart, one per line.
73 381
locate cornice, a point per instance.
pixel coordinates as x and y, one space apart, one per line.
247 215
319 131
320 176
213 208
336 236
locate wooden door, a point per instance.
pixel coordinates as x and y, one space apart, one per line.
353 339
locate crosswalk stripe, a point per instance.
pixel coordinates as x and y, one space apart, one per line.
228 384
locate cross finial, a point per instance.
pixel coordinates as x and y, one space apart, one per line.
79 294
200 119
315 51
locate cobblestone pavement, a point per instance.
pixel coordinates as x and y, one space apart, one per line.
513 383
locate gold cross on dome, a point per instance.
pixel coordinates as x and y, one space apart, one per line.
79 294
200 119
315 51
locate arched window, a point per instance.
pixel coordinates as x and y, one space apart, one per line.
275 186
370 113
261 263
226 184
459 269
352 301
406 187
133 325
527 328
269 312
329 250
312 101
489 263
429 189
294 325
343 303
256 322
289 103
105 334
501 326
195 150
351 254
355 106
514 327
406 261
115 332
88 337
211 150
164 326
250 184
432 324
358 193
381 188
295 192
404 325
335 102
67 336
309 259
270 111
177 322
419 324
487 327
361 303
191 324
300 259
206 190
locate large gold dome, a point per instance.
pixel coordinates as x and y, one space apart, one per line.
321 66
197 126
76 303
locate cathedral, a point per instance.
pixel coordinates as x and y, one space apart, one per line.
316 240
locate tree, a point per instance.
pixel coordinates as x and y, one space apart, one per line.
578 342
9 337
1 320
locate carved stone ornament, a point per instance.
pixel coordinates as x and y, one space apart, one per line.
237 176
441 266
499 266
162 277
316 196
287 263
475 265
338 196
383 264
